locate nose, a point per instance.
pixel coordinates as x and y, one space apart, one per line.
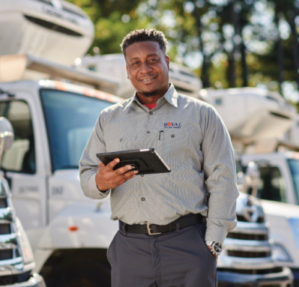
145 68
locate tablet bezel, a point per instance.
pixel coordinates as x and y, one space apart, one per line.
153 163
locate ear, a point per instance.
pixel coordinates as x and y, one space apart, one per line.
167 61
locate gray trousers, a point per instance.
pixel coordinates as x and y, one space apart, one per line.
175 259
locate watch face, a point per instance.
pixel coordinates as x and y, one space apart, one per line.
217 247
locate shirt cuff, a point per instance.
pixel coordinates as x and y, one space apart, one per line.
94 191
215 232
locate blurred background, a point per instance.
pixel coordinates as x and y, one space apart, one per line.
228 43
61 65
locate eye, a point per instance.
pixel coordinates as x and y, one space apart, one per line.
134 63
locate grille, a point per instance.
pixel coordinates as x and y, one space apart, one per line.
9 246
5 228
3 203
6 254
13 279
249 254
243 219
253 272
244 236
222 284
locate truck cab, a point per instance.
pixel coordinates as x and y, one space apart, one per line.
16 257
279 194
68 232
52 123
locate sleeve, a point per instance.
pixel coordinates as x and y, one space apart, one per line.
220 177
88 164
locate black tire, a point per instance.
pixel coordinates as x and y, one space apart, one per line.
89 274
86 267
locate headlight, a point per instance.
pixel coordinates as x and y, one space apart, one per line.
279 253
26 250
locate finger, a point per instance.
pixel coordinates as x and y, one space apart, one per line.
123 170
130 174
101 165
112 163
125 177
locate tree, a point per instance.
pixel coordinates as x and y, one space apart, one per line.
111 24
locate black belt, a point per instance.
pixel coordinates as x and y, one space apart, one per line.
153 229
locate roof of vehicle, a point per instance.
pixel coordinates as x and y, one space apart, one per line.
33 87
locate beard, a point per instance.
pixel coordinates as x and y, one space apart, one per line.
150 94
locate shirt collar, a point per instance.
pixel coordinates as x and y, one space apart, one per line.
171 96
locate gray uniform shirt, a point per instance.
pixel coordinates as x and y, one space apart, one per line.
191 138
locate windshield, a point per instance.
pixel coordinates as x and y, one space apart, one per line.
294 167
70 119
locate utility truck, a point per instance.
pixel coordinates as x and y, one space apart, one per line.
70 233
257 121
16 256
53 120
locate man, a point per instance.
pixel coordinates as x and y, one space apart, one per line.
171 225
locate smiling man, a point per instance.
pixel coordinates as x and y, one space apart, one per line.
172 225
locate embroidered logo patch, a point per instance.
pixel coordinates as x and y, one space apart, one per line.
170 125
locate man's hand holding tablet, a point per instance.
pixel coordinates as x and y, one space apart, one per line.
124 165
107 178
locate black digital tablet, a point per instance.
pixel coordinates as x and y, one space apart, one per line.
146 161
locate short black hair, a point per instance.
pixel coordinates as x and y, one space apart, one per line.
144 35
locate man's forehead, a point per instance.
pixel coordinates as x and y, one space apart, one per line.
145 48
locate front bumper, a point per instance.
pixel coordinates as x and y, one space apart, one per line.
284 278
34 281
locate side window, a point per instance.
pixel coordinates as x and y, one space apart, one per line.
21 156
272 184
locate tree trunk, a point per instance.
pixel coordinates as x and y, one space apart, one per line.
244 64
280 53
231 70
205 58
231 60
295 49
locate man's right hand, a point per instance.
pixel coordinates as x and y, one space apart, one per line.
107 178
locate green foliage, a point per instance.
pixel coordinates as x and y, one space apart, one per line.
253 25
110 27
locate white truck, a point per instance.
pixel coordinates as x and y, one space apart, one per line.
257 121
70 233
16 256
279 191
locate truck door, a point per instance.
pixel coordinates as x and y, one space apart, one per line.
272 184
28 184
276 184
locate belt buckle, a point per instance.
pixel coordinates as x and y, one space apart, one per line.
149 230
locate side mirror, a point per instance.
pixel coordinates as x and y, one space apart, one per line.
253 177
6 135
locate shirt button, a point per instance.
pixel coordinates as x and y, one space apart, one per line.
121 140
172 136
142 199
150 112
145 222
147 132
142 175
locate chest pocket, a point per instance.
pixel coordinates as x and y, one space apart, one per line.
125 142
175 146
